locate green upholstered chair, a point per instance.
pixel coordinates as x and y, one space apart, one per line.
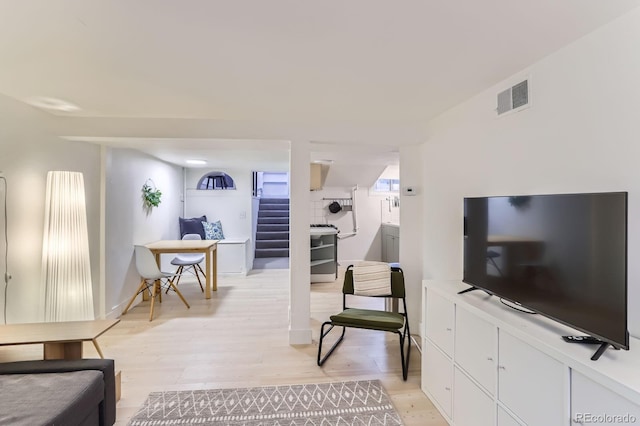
370 319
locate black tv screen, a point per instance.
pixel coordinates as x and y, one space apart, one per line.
563 256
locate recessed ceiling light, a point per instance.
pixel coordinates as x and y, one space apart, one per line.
323 161
52 104
196 162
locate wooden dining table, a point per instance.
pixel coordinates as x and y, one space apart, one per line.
208 247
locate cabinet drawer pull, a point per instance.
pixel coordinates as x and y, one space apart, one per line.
489 358
502 367
448 329
447 389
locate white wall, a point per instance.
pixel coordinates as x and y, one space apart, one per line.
366 244
580 134
411 241
232 207
127 223
28 150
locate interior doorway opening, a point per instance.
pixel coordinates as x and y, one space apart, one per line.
271 195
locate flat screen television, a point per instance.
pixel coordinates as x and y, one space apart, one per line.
563 256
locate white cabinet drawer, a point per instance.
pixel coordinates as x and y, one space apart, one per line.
475 348
471 406
437 376
530 383
592 403
439 318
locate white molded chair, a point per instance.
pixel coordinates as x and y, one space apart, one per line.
152 278
189 262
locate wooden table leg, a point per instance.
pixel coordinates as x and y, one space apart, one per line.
95 343
153 299
214 267
118 385
208 265
66 350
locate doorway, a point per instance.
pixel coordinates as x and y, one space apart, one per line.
271 193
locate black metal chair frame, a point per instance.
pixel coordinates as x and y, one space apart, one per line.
403 333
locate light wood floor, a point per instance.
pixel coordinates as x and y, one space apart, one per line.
239 338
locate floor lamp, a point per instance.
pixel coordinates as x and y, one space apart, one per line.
66 269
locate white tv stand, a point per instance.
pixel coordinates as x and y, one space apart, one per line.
486 364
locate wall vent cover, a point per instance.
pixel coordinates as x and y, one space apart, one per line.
515 97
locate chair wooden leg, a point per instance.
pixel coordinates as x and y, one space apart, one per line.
153 299
179 274
178 293
195 270
141 288
176 276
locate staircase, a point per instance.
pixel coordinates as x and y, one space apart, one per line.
272 234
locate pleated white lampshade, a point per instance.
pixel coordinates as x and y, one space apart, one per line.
66 269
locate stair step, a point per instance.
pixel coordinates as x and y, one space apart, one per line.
274 252
272 234
273 213
274 201
266 244
274 207
278 235
272 227
273 220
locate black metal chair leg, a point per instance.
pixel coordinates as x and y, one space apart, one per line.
404 359
335 345
409 346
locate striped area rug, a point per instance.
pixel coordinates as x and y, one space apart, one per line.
341 403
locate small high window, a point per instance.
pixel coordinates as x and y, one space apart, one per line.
387 185
216 180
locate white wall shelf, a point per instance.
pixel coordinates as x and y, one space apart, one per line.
320 262
324 263
322 246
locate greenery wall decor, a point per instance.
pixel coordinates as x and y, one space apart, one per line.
150 195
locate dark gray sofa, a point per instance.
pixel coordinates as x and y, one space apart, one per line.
58 392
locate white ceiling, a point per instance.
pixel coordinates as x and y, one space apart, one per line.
216 76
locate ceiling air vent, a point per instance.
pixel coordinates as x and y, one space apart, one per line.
514 98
